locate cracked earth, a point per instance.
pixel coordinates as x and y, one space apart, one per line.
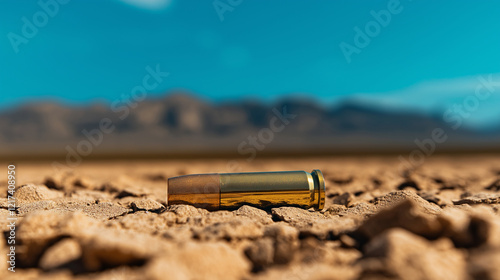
110 220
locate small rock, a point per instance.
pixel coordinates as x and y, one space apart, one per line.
186 212
295 216
394 198
472 226
254 214
30 193
104 210
39 229
147 204
481 198
60 254
408 215
208 261
404 255
108 247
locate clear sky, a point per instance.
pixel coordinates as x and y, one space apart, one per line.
427 56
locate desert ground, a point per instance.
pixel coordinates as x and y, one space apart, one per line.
109 220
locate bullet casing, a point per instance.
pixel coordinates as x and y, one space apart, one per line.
259 189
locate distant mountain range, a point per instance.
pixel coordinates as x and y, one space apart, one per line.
181 125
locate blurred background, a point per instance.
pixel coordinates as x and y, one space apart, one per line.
171 78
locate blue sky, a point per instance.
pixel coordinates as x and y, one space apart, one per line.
428 56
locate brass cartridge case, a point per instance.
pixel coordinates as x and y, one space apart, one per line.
259 189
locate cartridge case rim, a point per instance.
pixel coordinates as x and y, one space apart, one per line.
320 181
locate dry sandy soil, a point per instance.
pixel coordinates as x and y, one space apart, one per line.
109 220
